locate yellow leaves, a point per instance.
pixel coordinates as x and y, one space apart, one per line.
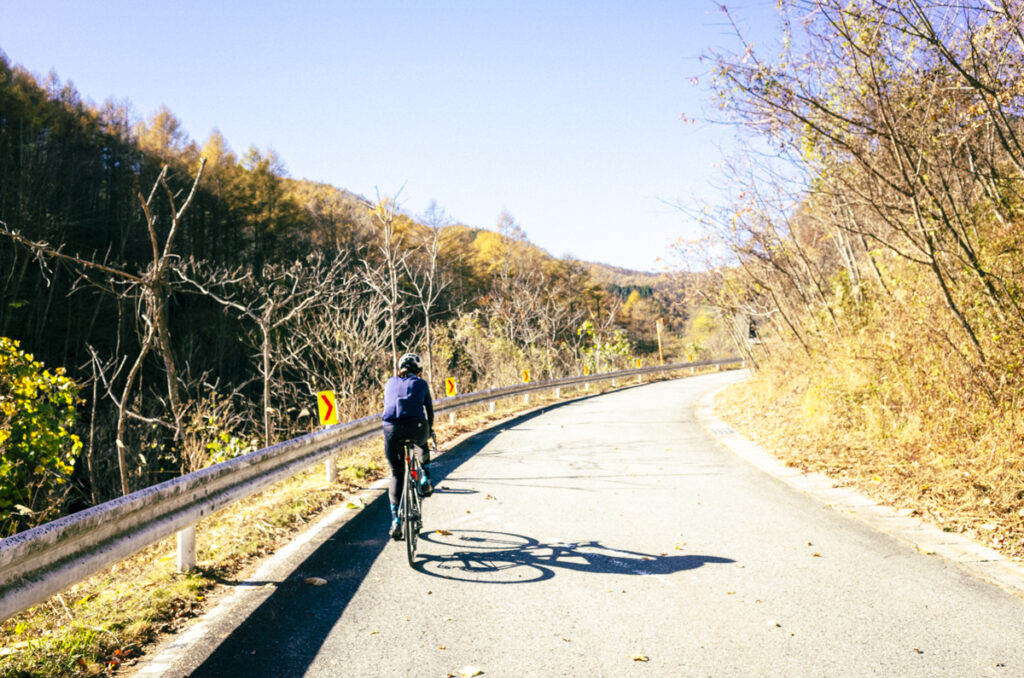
639 657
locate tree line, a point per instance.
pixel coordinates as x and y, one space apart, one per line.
198 299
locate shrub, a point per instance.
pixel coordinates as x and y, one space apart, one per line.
37 447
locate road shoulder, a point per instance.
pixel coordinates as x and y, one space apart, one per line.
978 560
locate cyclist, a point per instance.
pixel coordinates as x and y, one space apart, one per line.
408 414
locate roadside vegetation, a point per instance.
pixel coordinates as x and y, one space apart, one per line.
873 253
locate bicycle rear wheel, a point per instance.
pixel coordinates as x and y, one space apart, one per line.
411 520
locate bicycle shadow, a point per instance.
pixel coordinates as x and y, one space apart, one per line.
488 557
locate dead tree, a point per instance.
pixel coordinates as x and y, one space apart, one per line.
151 290
384 280
274 299
428 280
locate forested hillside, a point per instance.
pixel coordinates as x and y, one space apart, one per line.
876 245
195 299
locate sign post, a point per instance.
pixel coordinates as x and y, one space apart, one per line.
449 391
660 325
328 417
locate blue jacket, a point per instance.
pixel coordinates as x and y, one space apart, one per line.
407 399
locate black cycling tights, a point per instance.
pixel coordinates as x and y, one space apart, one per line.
394 434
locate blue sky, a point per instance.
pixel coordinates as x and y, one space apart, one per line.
564 114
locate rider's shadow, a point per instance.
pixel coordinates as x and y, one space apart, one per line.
501 558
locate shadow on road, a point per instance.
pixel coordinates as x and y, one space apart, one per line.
283 635
486 557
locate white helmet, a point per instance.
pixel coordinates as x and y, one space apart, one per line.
411 362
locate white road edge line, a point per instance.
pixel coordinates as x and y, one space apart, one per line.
273 569
170 652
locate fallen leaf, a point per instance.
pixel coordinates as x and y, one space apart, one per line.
373 633
918 651
443 533
355 503
315 581
442 647
639 657
470 671
816 555
876 479
446 619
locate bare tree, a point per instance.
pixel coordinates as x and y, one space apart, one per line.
427 279
384 280
150 291
271 300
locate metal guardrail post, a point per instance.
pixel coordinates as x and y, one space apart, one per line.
332 470
187 549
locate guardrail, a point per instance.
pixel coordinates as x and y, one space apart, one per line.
47 559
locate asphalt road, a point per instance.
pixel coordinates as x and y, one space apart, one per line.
576 541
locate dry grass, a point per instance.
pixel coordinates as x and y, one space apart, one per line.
956 462
106 623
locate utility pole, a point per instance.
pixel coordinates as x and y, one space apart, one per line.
661 354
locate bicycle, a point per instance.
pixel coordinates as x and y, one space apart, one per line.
411 507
